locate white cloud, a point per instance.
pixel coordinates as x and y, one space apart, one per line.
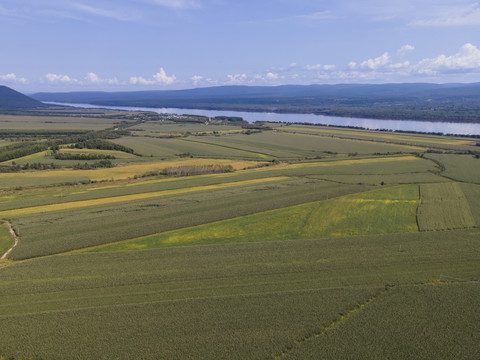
319 15
237 78
352 65
451 15
93 78
398 66
60 79
130 16
319 67
271 76
12 78
177 4
196 79
287 68
467 59
160 78
377 63
405 49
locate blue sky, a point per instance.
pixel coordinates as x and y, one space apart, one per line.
63 45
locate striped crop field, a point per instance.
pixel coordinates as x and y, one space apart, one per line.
123 198
388 210
362 141
230 148
355 161
413 138
444 206
121 172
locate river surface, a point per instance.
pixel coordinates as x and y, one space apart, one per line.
251 117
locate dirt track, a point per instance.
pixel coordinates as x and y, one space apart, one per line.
4 256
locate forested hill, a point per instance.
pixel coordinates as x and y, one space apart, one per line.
419 101
13 100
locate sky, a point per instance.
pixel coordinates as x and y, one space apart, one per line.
128 45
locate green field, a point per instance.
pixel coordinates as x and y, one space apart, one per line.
6 240
228 297
13 122
464 168
316 243
444 206
407 321
379 211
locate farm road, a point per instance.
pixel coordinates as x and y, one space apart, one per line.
4 256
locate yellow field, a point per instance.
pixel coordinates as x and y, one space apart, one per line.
354 162
402 137
275 167
124 172
116 199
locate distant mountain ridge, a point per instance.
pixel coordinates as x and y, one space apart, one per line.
283 91
13 100
408 101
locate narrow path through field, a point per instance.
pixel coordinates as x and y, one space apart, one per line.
4 256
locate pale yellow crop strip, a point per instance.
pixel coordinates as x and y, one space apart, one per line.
353 162
122 198
415 138
360 140
123 172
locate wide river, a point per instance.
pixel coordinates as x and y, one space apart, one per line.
374 124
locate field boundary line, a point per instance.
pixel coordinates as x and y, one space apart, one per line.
342 318
418 207
15 238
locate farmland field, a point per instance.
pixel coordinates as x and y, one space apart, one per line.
427 141
379 211
6 240
444 206
214 241
463 168
56 122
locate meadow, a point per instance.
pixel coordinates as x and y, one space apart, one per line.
316 242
